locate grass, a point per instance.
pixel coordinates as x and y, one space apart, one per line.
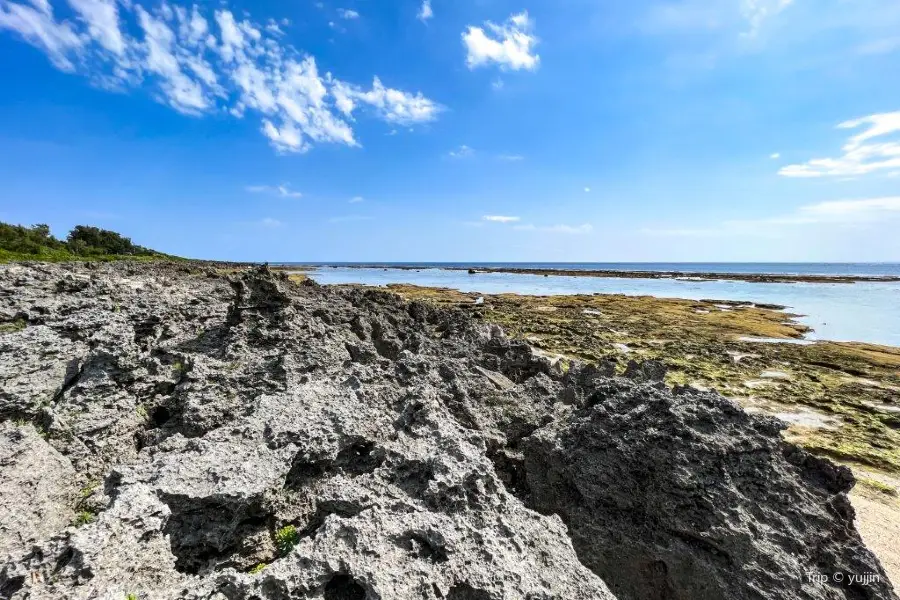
84 518
258 568
285 539
131 597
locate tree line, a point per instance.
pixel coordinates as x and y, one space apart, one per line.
84 241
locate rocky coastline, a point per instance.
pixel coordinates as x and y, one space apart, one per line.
182 431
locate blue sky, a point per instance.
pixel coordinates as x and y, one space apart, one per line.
466 130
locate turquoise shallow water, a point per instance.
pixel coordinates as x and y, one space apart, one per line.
860 312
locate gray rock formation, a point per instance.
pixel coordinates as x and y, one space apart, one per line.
171 432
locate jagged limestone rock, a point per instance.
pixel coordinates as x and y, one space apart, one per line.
241 436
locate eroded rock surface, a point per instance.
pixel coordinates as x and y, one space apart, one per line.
171 432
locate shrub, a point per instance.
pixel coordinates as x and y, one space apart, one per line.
286 538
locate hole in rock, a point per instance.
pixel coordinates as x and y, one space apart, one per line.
160 416
358 458
345 510
355 459
344 587
425 546
464 591
215 533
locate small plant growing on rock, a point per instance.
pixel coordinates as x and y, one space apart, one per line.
142 411
286 538
83 518
89 489
258 568
17 325
131 597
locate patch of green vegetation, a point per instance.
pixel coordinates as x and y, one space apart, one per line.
258 568
179 369
877 486
285 539
131 597
142 411
83 518
13 327
88 489
82 243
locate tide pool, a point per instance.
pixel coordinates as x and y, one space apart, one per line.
858 312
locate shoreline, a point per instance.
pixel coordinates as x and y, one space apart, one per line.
612 273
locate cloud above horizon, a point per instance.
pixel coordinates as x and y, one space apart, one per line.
500 219
833 212
282 191
200 64
510 45
875 148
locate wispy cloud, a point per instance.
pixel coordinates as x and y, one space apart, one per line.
775 155
348 14
511 157
510 45
756 12
271 223
875 148
390 105
200 63
282 191
565 229
425 12
836 213
461 152
744 18
878 47
349 219
500 219
357 199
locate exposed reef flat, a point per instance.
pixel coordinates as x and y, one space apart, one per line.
638 274
172 431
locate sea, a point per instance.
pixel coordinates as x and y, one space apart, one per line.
853 312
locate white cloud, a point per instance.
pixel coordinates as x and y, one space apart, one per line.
357 199
511 157
461 152
756 12
219 65
38 27
349 219
875 148
775 155
565 229
500 219
425 12
284 191
840 213
271 223
510 45
393 106
498 84
348 14
102 19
